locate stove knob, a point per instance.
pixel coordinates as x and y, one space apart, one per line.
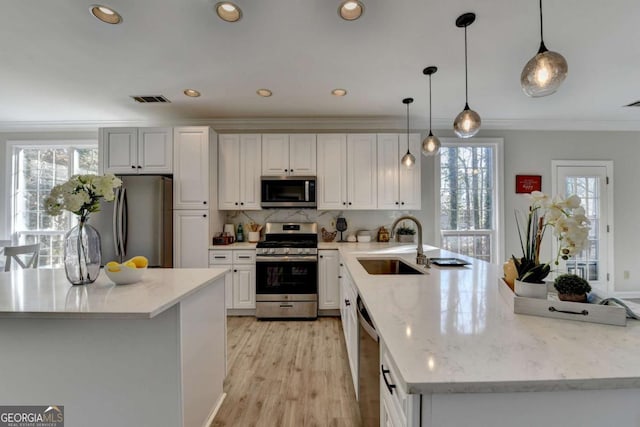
302 251
286 250
272 251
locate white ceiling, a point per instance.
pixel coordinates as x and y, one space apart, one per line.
59 64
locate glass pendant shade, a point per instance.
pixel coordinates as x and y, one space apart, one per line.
544 73
408 160
467 123
430 145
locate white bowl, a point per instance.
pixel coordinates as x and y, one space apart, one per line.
126 275
364 238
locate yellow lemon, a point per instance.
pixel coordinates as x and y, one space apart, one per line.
113 266
140 261
131 264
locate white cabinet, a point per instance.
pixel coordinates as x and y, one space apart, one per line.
136 150
191 167
240 282
347 171
328 283
349 316
190 238
239 158
397 407
399 187
293 154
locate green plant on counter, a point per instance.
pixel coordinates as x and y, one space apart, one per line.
571 284
403 230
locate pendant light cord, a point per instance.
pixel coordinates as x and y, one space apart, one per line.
407 127
466 73
429 103
541 38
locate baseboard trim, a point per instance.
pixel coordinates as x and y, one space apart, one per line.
215 411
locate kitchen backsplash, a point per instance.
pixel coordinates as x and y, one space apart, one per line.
356 220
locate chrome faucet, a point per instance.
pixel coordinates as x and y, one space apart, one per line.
421 258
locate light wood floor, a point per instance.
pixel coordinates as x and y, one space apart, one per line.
287 373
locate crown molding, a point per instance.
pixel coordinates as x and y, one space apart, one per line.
326 124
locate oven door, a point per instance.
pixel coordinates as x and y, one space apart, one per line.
281 278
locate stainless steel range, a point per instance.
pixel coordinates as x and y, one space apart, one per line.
287 271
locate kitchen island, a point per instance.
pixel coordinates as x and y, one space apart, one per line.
151 353
462 357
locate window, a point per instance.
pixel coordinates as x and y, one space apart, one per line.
468 209
36 169
589 180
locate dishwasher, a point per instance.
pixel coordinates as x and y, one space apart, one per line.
368 368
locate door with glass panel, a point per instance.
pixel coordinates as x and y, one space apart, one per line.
590 181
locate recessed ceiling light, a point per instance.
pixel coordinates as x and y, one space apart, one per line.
192 93
264 92
106 14
351 10
228 11
339 92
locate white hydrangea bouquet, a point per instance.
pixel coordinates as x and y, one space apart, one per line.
81 195
570 227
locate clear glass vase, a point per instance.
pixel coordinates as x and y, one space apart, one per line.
82 254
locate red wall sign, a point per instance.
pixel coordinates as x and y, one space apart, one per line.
528 183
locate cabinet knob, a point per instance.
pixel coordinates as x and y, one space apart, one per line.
402 203
341 265
139 167
235 271
242 203
236 203
349 203
291 170
321 256
133 167
344 203
286 170
204 215
204 203
397 203
339 277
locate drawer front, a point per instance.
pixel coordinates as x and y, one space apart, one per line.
220 257
396 400
244 257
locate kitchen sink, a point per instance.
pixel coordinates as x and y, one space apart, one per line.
387 266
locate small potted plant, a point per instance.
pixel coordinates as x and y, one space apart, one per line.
405 234
572 288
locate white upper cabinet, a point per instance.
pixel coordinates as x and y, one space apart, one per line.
136 150
293 154
347 171
191 167
331 184
398 186
239 158
190 238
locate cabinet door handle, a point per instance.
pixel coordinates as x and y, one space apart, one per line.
390 387
286 305
347 302
244 257
220 257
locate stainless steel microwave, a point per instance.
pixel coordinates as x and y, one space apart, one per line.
288 191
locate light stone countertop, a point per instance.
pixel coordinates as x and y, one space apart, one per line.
450 331
46 293
236 245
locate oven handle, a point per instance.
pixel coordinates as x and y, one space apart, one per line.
285 258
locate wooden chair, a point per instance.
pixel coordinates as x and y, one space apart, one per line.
26 250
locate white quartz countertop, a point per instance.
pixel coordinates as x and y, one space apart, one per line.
450 331
47 293
236 245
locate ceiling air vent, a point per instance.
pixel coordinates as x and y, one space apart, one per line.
148 99
633 104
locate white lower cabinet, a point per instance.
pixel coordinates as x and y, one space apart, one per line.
190 238
328 285
349 316
240 281
397 407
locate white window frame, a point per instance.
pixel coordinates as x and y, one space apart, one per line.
609 276
497 242
10 163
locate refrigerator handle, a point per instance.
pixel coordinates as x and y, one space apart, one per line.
116 223
120 249
124 220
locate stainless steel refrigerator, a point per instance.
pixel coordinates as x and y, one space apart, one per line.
139 221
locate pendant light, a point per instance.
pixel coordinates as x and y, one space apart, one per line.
408 159
545 72
468 122
431 144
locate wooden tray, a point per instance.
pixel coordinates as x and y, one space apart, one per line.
554 308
